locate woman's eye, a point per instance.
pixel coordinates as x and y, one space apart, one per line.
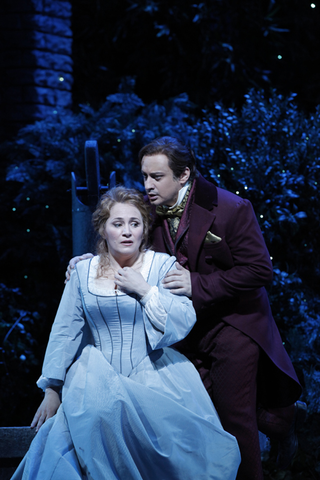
117 225
135 224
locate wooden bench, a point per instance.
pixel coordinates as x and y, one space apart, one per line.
14 444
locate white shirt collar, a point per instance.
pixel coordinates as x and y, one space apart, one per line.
181 195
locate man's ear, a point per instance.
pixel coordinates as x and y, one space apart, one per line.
184 177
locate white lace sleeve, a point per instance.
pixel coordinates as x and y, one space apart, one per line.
168 318
154 309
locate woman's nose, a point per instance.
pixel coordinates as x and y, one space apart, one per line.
126 231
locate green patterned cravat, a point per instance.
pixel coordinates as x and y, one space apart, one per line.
174 214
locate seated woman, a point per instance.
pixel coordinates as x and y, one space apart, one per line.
132 407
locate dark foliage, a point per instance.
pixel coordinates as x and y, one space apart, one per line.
19 357
212 50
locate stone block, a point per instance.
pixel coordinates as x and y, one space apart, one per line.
52 43
64 99
44 23
38 77
47 96
58 8
52 79
36 58
53 61
35 54
35 21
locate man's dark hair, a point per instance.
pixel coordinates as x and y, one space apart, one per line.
179 155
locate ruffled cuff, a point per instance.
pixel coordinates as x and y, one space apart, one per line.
45 382
154 309
148 295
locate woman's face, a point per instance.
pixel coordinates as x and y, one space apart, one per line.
124 230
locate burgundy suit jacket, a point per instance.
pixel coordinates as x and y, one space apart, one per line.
228 284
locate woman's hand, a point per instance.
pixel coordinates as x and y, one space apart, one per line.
47 409
131 281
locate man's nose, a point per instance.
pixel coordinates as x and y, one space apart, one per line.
148 183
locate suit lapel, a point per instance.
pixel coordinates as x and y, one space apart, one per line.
201 221
201 218
159 243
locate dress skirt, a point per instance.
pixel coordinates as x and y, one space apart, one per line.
156 424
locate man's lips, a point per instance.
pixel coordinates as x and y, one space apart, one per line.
152 196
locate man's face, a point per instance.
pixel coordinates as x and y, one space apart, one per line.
161 186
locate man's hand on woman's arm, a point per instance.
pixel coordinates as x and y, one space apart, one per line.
73 263
178 281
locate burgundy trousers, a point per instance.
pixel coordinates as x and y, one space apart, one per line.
228 365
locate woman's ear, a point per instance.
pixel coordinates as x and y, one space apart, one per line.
102 231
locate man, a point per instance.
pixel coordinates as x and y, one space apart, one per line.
223 265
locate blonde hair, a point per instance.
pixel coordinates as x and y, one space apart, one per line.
102 213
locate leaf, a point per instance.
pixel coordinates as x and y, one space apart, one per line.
300 215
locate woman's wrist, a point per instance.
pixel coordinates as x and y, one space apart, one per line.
54 390
143 290
144 300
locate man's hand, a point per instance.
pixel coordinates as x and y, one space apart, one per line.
47 409
131 281
73 263
178 281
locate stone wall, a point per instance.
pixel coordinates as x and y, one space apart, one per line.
35 61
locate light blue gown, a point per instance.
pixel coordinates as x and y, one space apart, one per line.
132 407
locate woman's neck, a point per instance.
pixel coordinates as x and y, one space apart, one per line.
122 261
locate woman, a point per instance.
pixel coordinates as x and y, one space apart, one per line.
132 407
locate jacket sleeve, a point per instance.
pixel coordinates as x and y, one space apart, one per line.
168 318
65 337
240 263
